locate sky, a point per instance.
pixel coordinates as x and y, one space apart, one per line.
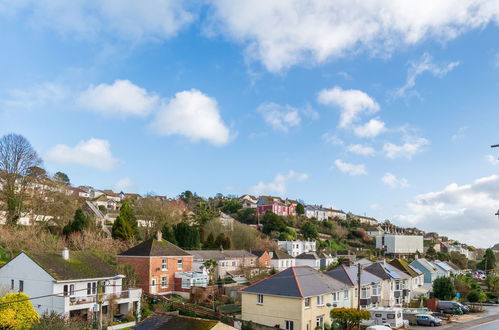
381 108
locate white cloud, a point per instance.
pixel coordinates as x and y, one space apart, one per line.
331 138
349 168
394 182
94 153
411 147
124 184
126 19
194 115
122 98
463 212
279 184
281 34
492 159
417 68
38 95
351 103
372 128
280 117
360 149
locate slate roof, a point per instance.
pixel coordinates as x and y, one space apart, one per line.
155 248
299 282
308 255
426 264
81 265
386 271
174 322
348 275
279 254
404 266
258 253
221 255
444 266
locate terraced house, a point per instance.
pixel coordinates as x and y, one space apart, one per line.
294 299
68 283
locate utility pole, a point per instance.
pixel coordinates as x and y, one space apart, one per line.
359 269
99 301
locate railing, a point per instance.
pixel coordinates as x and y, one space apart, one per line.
78 300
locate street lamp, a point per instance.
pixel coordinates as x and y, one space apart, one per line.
99 298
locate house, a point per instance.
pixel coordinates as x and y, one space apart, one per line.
291 204
174 321
366 220
248 201
427 268
263 258
185 281
112 195
397 245
395 290
156 261
281 260
295 248
332 213
327 259
274 204
417 277
316 212
134 197
310 259
67 283
295 298
443 269
106 202
370 285
229 262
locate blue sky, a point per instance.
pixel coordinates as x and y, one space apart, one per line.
380 109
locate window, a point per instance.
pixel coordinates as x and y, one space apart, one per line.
307 302
21 286
309 325
94 287
398 286
12 284
260 299
185 283
164 281
376 290
319 321
345 294
320 300
365 293
65 289
390 316
164 264
335 296
377 315
72 290
289 325
89 288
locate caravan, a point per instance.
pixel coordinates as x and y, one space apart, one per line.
391 317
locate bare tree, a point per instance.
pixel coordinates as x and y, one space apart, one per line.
17 159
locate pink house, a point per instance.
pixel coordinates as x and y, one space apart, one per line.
276 205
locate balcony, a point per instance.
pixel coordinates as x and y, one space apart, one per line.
134 294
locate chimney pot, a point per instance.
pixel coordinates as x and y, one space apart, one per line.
159 235
65 253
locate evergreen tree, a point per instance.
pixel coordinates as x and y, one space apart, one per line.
222 241
122 229
272 222
210 242
127 216
443 288
79 223
169 234
300 209
309 231
489 261
187 236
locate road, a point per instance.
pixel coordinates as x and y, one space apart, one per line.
493 325
486 321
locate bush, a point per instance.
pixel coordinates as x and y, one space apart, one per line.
477 295
443 288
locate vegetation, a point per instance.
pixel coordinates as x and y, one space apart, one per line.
55 321
488 262
61 177
309 231
18 313
210 265
187 237
443 288
300 209
349 318
232 206
80 222
125 226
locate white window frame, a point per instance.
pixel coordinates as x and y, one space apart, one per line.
259 298
307 302
289 325
164 264
335 296
365 293
165 281
320 300
180 263
345 294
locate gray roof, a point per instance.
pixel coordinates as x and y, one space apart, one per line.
444 266
425 264
220 255
348 275
386 271
155 248
308 255
299 282
280 254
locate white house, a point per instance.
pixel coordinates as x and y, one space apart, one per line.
248 201
67 284
317 212
310 259
295 248
280 260
229 262
400 244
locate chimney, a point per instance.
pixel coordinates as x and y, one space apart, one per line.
347 262
221 248
65 253
159 235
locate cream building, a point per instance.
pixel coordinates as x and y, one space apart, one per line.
298 298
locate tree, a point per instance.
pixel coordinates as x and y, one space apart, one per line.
459 259
186 196
17 314
272 222
187 236
126 223
210 265
122 229
477 295
210 242
204 213
349 318
431 254
232 206
300 209
222 241
247 215
61 177
79 223
489 261
309 230
443 288
17 159
169 234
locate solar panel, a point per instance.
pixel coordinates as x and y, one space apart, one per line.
392 273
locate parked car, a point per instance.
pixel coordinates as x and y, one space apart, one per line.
427 319
450 307
378 327
465 309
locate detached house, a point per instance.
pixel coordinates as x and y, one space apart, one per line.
156 262
67 283
295 248
273 204
295 298
248 201
281 260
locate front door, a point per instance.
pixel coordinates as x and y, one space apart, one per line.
153 286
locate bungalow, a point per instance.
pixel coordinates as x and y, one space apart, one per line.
443 269
427 268
156 262
295 298
67 284
248 201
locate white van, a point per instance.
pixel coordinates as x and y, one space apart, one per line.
387 316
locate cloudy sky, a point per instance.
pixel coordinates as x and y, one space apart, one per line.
384 108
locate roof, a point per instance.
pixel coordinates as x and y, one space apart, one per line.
308 255
279 254
404 266
174 322
80 265
155 248
425 264
348 275
221 255
110 193
443 265
299 282
258 253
